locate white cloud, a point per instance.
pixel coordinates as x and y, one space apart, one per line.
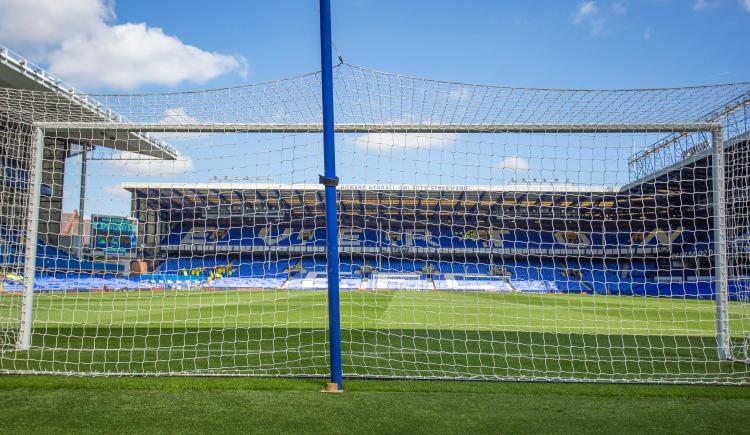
702 5
514 163
648 33
177 115
116 191
596 17
132 55
585 10
77 42
127 163
745 4
588 12
386 141
36 26
619 8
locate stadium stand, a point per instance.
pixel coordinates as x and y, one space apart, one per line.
468 255
490 246
55 261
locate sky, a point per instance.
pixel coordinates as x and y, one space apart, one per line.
166 46
146 45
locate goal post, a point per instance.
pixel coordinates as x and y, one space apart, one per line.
720 244
32 229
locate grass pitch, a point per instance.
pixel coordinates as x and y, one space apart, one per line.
385 334
249 405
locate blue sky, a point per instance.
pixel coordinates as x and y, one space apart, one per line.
639 43
154 46
626 43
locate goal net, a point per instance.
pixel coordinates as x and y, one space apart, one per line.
484 232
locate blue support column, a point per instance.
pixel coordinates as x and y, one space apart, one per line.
330 181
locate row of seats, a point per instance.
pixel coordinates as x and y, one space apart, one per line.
49 258
435 237
382 281
571 275
559 275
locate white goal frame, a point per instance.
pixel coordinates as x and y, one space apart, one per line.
123 131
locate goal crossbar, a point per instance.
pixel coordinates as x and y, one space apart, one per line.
95 129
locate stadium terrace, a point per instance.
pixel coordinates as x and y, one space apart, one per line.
519 237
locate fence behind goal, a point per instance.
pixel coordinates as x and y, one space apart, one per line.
484 232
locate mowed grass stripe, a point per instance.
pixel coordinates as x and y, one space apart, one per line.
383 309
387 353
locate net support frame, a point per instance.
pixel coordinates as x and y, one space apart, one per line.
329 180
720 246
32 232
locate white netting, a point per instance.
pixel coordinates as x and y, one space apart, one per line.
484 232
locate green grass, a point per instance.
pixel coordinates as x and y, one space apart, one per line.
385 334
378 309
241 405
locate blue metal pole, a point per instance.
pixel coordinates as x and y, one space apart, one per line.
330 181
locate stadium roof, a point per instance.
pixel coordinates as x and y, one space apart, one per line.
690 169
445 199
401 202
18 73
516 187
